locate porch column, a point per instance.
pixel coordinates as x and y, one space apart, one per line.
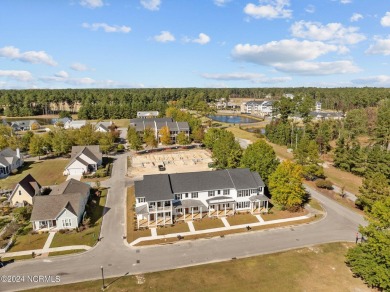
218 210
209 211
201 214
184 211
164 216
148 219
267 206
155 214
137 223
234 208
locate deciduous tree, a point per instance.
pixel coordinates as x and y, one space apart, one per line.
165 136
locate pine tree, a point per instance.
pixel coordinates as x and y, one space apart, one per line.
376 187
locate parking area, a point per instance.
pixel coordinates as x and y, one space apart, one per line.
173 161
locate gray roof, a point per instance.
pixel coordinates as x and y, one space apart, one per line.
49 207
154 187
69 187
24 123
188 203
103 125
150 120
140 210
142 124
91 151
8 153
254 102
220 199
164 186
258 198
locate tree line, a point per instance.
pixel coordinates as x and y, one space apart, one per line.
124 103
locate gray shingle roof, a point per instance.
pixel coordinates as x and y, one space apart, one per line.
70 186
164 186
92 151
49 207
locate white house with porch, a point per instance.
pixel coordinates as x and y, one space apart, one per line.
84 159
165 198
9 160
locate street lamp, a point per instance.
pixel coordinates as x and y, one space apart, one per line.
103 286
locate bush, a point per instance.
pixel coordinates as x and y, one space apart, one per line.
324 184
62 231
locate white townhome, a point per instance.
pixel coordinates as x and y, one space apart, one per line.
63 208
84 159
164 198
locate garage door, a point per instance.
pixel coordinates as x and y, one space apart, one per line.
76 171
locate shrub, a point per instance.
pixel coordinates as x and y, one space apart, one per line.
324 184
62 231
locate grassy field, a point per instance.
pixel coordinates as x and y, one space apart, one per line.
239 219
29 242
279 214
88 236
65 252
131 233
46 172
177 228
208 223
317 268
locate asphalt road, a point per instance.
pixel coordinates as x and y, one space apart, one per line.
340 224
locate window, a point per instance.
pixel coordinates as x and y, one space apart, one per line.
141 200
243 205
194 195
186 195
178 196
20 193
243 193
226 192
260 189
66 222
195 209
211 194
253 191
219 192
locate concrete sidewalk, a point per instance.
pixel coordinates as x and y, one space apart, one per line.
138 240
41 251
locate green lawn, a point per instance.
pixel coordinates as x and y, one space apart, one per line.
208 223
276 214
65 252
88 236
239 219
4 221
46 172
317 268
177 228
29 242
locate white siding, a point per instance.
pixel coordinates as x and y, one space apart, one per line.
76 168
67 215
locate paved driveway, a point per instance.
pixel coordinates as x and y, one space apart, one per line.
112 253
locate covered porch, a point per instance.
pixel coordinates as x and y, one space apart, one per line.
189 210
222 206
45 224
146 219
259 204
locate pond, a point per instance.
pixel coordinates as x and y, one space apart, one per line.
233 119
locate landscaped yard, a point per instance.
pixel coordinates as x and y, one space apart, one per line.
88 236
317 268
177 228
208 223
65 252
29 242
239 219
46 172
276 214
131 233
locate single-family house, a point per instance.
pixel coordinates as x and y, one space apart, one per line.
25 125
156 124
147 114
164 198
103 127
61 121
75 124
25 191
10 160
84 159
63 208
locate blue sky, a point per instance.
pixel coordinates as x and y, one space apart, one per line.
194 43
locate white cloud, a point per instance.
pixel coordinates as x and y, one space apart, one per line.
35 57
381 47
356 17
385 20
332 32
19 75
284 51
106 27
239 76
151 4
310 8
92 3
62 74
221 3
164 36
269 9
345 1
202 39
318 68
379 80
79 67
